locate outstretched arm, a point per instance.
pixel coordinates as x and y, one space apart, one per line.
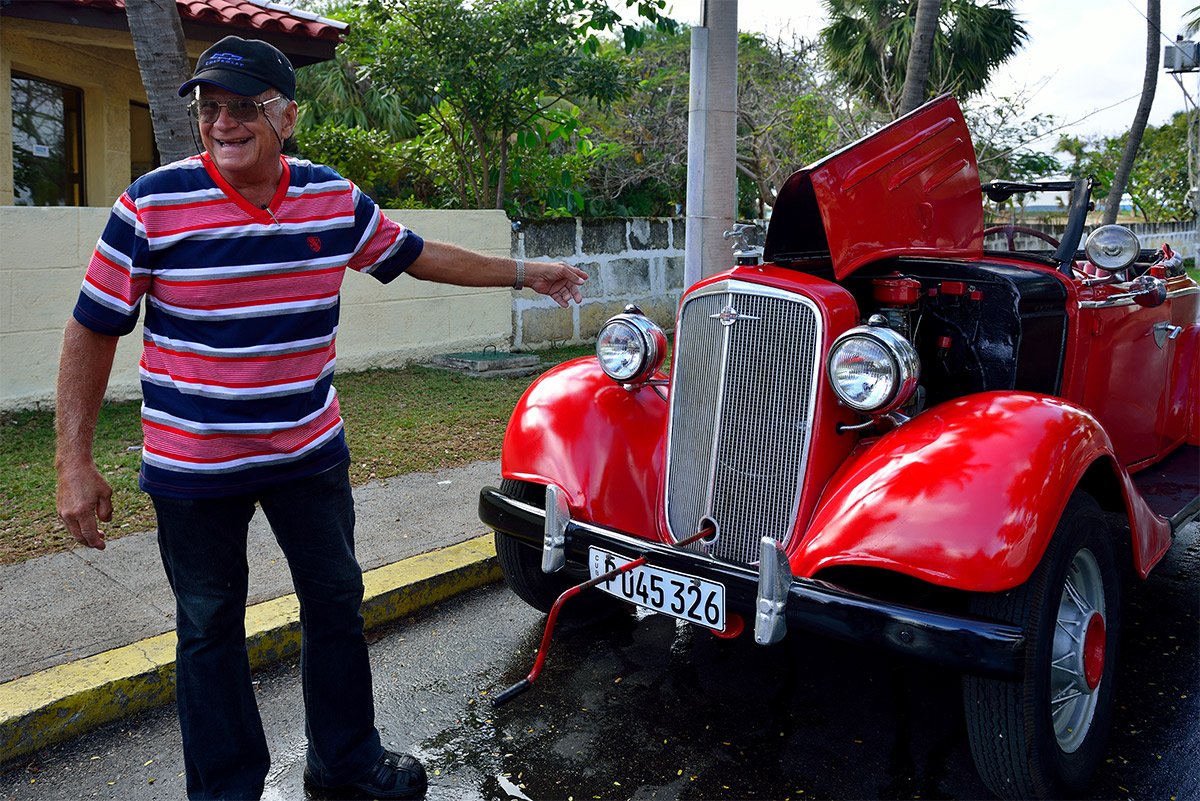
84 497
450 264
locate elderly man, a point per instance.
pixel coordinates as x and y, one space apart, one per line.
239 253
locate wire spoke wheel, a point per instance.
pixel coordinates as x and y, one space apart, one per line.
1077 663
1043 736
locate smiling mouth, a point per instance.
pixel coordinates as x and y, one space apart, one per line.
232 142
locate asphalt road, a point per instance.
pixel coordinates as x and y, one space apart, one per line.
647 709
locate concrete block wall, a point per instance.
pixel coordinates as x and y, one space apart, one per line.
637 261
44 252
1181 236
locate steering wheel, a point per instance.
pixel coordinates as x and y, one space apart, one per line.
1010 231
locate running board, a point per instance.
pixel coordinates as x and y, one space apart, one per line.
1171 487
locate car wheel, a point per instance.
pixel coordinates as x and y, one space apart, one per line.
1043 736
521 562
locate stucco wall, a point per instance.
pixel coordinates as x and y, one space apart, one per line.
45 251
100 63
636 261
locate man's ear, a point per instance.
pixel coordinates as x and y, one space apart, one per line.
289 119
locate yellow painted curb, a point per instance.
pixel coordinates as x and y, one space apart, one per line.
65 701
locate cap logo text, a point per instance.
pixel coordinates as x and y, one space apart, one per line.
232 59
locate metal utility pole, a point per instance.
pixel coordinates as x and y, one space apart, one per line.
712 144
1179 58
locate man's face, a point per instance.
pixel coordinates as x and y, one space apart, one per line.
247 152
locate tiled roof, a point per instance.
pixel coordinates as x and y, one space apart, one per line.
306 37
258 15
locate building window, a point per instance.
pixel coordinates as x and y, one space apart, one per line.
47 143
143 151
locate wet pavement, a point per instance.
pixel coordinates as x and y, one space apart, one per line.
649 709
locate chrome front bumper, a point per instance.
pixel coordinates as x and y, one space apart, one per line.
774 599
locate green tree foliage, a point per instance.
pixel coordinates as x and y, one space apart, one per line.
867 42
644 135
337 93
1158 183
368 156
485 72
786 113
478 98
486 103
349 123
786 119
1003 133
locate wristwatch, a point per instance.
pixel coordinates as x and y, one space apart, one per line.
519 283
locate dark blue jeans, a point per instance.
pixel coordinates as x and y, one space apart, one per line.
203 546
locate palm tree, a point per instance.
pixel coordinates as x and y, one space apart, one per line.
337 93
163 62
1112 203
867 43
916 71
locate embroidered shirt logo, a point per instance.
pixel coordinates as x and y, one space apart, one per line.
314 244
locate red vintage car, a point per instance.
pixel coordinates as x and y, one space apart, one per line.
890 427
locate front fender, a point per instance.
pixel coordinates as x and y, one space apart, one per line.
599 441
965 495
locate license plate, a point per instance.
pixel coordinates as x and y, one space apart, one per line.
689 598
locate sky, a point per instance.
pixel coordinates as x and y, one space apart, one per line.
1084 61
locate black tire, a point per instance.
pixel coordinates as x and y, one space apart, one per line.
1044 735
521 562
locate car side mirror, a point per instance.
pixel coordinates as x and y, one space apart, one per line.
1148 291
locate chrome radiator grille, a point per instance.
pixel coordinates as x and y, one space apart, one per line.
742 396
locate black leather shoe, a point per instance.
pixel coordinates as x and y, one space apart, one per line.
393 776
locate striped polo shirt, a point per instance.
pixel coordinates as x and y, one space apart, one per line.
241 318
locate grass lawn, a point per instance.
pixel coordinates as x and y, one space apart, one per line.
397 421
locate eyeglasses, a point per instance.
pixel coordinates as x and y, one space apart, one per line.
242 109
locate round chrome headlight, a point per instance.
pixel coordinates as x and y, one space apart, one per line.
630 348
1112 247
873 369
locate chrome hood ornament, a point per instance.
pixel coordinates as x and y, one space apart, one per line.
729 315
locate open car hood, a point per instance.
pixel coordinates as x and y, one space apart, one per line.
911 188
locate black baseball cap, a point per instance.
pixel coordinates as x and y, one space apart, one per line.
246 67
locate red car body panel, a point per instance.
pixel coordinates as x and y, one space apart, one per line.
943 499
910 189
1186 399
890 504
600 442
1148 409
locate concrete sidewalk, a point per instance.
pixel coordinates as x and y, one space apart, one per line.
88 636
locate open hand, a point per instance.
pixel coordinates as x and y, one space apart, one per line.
557 280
